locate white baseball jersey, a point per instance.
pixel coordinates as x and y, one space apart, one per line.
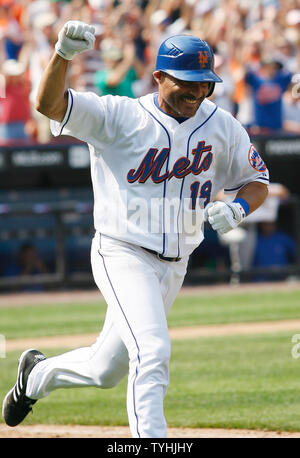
152 176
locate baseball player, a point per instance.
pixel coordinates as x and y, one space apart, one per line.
156 164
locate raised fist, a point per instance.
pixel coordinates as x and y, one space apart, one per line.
74 38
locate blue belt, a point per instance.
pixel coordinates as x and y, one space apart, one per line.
160 256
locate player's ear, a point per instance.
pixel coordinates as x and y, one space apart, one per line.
158 76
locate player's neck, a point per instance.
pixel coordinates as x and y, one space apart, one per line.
179 119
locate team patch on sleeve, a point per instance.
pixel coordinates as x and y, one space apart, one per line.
255 160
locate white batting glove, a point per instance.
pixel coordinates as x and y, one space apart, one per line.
224 216
74 38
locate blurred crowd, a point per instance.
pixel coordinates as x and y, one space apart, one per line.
256 45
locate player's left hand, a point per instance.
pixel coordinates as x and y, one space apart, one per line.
224 216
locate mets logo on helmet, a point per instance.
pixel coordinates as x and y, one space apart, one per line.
203 58
255 160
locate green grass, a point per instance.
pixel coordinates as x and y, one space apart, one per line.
235 308
60 319
51 320
229 382
235 382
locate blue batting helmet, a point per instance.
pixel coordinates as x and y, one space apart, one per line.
188 58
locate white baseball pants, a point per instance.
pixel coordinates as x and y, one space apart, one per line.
139 290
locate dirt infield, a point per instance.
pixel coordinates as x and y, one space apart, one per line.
79 431
57 297
192 332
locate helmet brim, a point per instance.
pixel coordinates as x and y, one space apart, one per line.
194 75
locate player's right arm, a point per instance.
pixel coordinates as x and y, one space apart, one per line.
52 99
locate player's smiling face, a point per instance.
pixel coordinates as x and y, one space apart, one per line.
177 97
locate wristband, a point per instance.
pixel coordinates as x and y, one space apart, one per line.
243 204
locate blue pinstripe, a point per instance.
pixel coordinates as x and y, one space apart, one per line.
137 346
167 167
69 114
187 155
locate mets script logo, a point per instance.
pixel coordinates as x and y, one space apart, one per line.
203 58
255 160
153 162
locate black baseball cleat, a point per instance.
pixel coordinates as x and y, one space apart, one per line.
16 405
